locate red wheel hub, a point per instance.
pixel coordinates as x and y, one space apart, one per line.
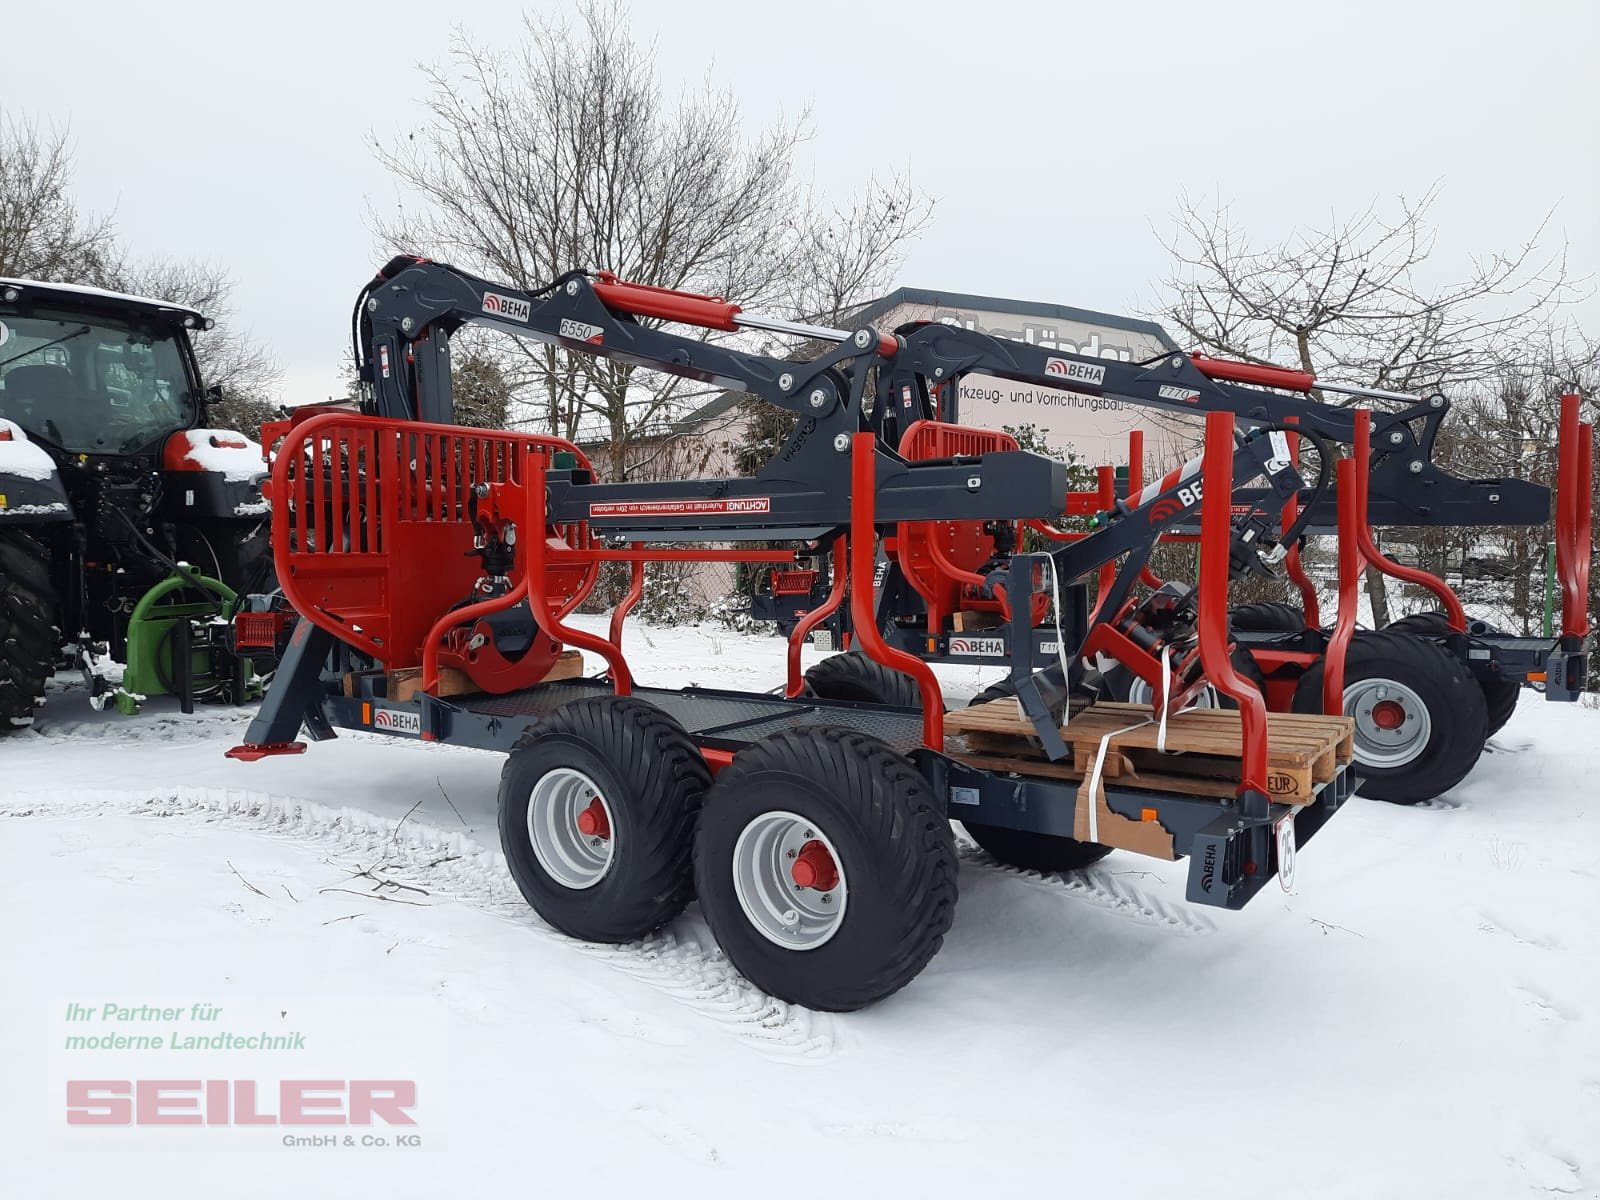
592 821
1388 714
814 867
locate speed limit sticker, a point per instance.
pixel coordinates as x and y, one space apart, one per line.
5 334
1286 849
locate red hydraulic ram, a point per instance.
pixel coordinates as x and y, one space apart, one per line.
710 312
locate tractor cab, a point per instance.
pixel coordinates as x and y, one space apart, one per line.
96 373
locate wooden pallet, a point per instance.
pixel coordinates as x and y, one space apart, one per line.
1202 756
405 683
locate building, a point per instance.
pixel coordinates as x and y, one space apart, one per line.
1092 429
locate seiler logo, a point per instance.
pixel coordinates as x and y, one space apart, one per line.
397 722
507 306
125 1102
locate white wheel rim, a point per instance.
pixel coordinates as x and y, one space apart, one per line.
784 911
572 858
1393 726
1140 692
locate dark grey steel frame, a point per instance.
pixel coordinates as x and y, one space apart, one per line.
1219 840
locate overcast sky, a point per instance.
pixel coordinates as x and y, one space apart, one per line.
1054 136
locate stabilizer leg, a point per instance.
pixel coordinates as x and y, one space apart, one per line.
295 689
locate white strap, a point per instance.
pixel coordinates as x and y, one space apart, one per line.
1061 641
1094 776
1166 695
1105 742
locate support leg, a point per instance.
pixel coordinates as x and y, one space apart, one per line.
295 689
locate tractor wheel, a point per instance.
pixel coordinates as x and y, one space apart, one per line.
29 638
1420 716
1035 851
1269 617
1500 698
1124 686
825 868
852 676
597 810
1499 695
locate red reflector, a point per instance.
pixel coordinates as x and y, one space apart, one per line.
229 443
5 436
257 630
793 583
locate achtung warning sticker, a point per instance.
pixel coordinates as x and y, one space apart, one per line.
679 508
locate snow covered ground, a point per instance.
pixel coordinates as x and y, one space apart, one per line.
1419 1018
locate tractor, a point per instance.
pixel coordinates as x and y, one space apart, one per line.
130 530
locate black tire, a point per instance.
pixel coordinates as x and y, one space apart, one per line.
895 852
1499 696
29 637
1267 617
1035 851
853 676
1457 720
1429 623
652 779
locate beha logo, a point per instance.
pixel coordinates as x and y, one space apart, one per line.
1187 497
1076 372
506 306
1208 868
977 646
397 722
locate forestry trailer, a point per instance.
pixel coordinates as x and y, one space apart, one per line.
435 570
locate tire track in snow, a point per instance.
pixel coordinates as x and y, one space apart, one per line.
1097 886
151 727
455 867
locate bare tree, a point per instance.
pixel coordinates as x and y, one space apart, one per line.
230 360
479 387
1509 430
564 153
1353 301
43 235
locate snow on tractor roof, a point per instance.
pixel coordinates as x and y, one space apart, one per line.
79 289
